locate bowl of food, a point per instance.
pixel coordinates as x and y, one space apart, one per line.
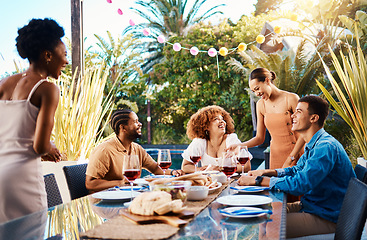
197 193
177 189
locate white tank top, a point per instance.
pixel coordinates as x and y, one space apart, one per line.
22 188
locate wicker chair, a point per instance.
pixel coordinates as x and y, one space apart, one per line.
52 190
352 217
75 178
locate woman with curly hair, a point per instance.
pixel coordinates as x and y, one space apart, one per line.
27 104
211 130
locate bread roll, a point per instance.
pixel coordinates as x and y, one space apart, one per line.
146 203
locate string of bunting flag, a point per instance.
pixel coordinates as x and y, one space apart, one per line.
212 52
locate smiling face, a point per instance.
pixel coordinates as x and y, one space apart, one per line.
217 124
57 61
301 119
261 89
133 127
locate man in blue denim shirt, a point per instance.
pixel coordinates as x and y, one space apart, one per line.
321 174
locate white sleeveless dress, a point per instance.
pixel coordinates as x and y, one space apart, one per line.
22 188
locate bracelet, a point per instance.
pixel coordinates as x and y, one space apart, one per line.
292 158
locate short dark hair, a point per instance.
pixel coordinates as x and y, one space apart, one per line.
120 117
39 35
261 74
317 105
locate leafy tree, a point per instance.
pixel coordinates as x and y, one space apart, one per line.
186 83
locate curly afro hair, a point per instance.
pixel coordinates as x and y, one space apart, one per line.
39 35
200 121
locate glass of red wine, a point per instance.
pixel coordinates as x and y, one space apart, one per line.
195 158
164 159
243 157
131 169
229 166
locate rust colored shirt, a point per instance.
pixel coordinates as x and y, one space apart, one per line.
105 162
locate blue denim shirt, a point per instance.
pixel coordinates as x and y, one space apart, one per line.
322 175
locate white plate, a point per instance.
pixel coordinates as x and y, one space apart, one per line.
250 189
230 209
159 176
244 200
115 195
211 190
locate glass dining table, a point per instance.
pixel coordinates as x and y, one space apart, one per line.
68 220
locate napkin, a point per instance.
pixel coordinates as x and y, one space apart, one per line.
250 188
244 211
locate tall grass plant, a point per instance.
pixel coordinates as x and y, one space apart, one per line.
352 94
79 116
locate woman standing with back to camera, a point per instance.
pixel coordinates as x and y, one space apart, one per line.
27 104
274 111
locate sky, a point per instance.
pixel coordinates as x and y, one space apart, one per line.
98 17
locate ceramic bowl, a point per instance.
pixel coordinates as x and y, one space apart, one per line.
197 193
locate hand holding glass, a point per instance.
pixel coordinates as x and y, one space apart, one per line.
131 169
243 157
164 159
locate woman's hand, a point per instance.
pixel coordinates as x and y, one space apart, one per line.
232 147
53 155
177 173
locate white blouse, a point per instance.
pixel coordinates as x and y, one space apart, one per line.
198 145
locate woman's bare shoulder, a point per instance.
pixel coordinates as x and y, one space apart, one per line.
8 83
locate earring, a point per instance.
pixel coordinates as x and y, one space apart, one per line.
207 132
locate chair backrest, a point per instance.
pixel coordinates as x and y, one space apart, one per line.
353 212
75 178
52 190
361 173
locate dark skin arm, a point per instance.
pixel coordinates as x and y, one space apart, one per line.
97 184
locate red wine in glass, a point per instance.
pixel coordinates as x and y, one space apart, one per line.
243 157
131 169
195 160
243 160
228 171
132 174
165 165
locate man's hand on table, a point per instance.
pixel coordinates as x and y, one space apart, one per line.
246 180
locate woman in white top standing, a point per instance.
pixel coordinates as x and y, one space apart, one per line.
212 131
27 104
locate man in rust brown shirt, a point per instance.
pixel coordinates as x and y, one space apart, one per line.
105 163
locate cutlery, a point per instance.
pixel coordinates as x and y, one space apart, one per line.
245 212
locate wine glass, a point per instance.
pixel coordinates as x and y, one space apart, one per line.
243 157
229 166
131 169
164 159
195 158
